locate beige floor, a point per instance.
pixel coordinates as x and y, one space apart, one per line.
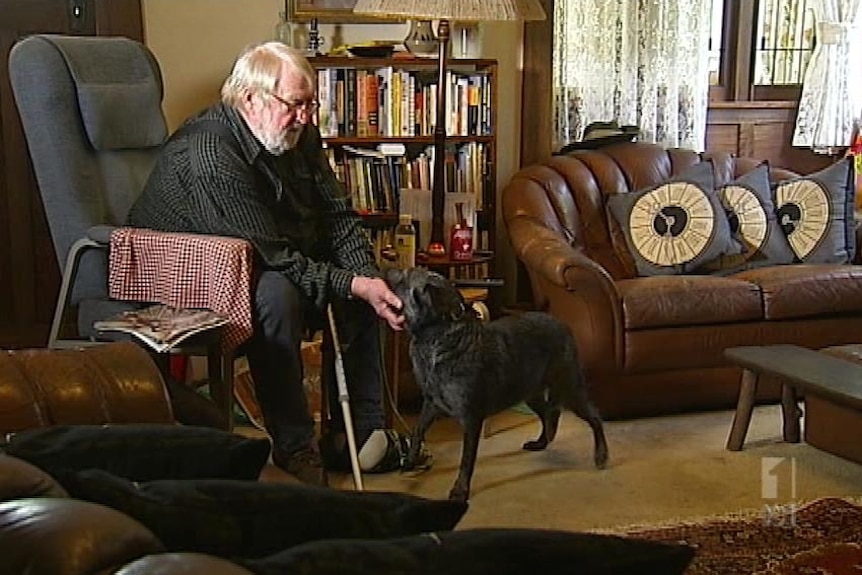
661 469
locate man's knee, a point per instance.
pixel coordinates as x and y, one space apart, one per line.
278 304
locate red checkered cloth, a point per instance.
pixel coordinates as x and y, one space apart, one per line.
186 271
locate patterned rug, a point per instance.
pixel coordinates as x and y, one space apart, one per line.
823 537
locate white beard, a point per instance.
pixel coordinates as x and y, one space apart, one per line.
279 143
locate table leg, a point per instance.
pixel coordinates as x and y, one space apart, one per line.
220 375
744 407
790 414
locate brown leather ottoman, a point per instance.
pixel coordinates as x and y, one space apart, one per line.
835 428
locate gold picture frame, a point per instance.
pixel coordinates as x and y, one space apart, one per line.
327 11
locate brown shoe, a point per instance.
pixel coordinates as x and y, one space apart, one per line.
304 464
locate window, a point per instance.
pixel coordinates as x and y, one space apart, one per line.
716 26
785 40
777 52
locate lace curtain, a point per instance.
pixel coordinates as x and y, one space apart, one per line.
639 62
831 98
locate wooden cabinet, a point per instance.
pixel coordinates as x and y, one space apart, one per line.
377 117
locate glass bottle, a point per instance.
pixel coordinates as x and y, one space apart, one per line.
284 30
405 242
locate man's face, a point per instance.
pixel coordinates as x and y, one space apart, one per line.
284 112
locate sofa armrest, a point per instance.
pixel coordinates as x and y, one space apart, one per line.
547 253
69 537
576 289
107 383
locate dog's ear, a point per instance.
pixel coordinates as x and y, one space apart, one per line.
447 299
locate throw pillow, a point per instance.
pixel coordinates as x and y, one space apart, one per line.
816 214
486 551
142 451
677 226
753 223
231 518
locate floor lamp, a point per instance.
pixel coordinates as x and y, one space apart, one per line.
446 11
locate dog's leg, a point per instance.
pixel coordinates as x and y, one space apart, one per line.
583 408
469 450
549 414
427 415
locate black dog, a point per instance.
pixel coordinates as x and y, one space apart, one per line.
470 370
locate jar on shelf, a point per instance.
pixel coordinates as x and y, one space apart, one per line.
284 30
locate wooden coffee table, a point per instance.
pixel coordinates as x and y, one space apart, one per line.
801 371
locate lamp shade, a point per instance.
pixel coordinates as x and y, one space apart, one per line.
460 10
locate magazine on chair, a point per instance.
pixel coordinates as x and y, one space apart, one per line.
163 327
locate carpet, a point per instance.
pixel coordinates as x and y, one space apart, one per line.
821 537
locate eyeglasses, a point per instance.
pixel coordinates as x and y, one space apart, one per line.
307 106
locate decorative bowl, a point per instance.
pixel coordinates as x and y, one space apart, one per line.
376 51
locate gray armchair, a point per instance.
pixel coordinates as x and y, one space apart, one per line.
92 118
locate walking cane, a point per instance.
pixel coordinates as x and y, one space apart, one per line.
344 400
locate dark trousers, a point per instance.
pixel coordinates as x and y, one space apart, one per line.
283 317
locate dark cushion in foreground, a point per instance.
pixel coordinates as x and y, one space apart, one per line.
480 552
142 452
231 518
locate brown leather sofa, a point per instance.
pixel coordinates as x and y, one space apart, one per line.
653 345
40 526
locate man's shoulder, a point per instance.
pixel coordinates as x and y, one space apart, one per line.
218 128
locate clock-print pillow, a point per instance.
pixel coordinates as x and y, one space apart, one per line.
815 212
677 226
753 223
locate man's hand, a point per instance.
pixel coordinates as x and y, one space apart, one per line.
385 303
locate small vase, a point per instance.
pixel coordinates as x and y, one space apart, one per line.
420 40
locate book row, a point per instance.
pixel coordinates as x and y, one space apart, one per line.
374 179
391 102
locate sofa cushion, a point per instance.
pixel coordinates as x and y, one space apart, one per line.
753 223
687 300
674 227
141 452
484 551
816 213
231 518
21 479
54 536
804 290
181 564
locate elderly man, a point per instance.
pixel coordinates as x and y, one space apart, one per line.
253 167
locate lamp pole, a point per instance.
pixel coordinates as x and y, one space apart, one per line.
438 192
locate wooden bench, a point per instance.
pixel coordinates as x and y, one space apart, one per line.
802 372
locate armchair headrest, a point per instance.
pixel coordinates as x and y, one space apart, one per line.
119 88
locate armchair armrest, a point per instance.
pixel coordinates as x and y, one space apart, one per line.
101 234
187 271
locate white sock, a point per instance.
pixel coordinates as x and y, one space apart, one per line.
373 450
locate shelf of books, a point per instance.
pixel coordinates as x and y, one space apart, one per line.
377 117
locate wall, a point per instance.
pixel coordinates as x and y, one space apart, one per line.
196 42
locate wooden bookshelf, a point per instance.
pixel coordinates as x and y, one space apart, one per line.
366 102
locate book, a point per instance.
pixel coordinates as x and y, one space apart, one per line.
163 327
